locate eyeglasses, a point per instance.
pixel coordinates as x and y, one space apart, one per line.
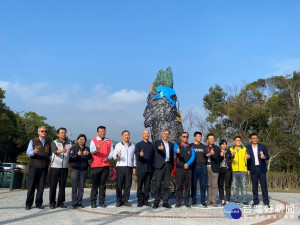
44 131
185 136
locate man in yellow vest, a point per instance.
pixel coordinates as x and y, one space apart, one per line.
239 170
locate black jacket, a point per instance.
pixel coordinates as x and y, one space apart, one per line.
216 158
79 162
228 157
144 164
160 155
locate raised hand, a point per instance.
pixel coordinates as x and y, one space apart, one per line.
119 154
79 152
85 152
105 160
233 153
161 147
36 149
142 153
212 152
222 152
247 155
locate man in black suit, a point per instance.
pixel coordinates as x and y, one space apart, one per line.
163 163
257 154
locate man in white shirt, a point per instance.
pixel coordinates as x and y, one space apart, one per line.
124 154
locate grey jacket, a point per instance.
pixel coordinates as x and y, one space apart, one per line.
61 160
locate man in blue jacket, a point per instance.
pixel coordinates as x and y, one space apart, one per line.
185 156
257 154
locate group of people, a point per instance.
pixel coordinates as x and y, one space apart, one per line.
212 165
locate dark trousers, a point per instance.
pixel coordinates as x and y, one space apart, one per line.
162 182
258 175
123 180
37 177
99 177
144 180
183 179
224 177
58 175
199 173
78 180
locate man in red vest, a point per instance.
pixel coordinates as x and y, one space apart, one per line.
102 150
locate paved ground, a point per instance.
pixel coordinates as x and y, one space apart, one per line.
13 212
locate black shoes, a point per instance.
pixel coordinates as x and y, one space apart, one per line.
188 205
74 206
245 203
93 205
147 204
80 205
39 207
119 204
61 205
267 205
52 206
127 204
177 205
155 206
102 205
167 205
27 207
204 204
254 204
194 204
139 205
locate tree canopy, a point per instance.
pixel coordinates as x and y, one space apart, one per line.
269 107
17 129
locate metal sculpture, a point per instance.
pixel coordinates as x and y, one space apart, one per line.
161 111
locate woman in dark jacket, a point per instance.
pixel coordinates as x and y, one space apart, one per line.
79 156
225 173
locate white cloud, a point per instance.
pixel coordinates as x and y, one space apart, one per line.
119 110
286 66
127 96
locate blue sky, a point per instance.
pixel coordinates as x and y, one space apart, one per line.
86 63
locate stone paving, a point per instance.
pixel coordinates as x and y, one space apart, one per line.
12 210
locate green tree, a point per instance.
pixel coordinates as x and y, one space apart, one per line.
267 106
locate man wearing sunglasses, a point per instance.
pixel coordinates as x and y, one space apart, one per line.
185 156
39 151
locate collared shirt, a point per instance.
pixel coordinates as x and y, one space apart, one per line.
255 152
30 149
127 154
166 144
93 147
